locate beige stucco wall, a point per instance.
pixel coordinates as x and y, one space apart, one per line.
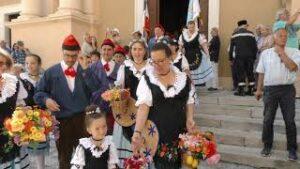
115 13
255 11
46 37
8 2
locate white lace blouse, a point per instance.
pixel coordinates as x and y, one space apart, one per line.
10 88
121 73
78 159
144 93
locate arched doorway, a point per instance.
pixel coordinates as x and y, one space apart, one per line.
172 15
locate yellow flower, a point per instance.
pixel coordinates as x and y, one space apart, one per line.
38 136
36 113
30 113
17 125
33 130
19 114
47 123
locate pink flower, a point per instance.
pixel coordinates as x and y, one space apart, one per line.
213 160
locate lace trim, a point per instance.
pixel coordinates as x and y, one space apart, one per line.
179 84
136 73
9 87
87 144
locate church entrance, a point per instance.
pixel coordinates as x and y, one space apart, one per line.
171 14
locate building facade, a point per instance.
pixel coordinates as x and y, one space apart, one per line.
43 24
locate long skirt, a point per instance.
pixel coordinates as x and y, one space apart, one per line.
204 72
123 145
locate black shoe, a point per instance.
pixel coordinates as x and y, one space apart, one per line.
250 91
240 91
266 152
212 89
293 155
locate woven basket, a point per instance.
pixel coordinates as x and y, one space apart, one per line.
124 111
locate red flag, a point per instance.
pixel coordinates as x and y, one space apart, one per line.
146 26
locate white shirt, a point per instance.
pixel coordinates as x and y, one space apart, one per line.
111 66
70 80
275 71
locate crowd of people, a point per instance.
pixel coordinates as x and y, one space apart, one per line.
161 75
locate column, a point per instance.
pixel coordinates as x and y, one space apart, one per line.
31 9
213 15
70 6
88 7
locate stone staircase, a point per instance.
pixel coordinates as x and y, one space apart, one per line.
237 123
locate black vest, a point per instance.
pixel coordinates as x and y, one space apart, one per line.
193 52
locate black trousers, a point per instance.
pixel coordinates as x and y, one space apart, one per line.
234 74
244 68
284 96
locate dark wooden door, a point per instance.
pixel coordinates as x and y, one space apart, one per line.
172 15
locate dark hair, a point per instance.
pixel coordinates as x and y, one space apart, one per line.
92 112
191 23
141 42
8 58
95 52
126 48
162 47
36 57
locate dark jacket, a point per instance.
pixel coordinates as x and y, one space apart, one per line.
54 85
214 49
244 44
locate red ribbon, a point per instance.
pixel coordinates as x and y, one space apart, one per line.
106 67
70 72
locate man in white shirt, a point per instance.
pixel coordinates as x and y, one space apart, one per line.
277 70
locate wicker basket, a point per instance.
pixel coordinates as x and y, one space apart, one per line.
124 111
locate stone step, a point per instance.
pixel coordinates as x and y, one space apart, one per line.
238 111
252 157
232 122
247 139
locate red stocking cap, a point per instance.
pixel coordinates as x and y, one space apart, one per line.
70 43
120 49
108 42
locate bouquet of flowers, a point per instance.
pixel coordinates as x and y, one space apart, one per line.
198 146
116 94
136 162
30 126
170 152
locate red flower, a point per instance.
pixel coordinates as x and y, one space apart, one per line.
211 149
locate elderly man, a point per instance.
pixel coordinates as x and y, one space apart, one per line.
283 19
277 69
87 45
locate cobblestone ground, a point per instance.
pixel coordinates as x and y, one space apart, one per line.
52 163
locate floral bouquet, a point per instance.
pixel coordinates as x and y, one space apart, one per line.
116 94
170 152
137 162
198 146
30 126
